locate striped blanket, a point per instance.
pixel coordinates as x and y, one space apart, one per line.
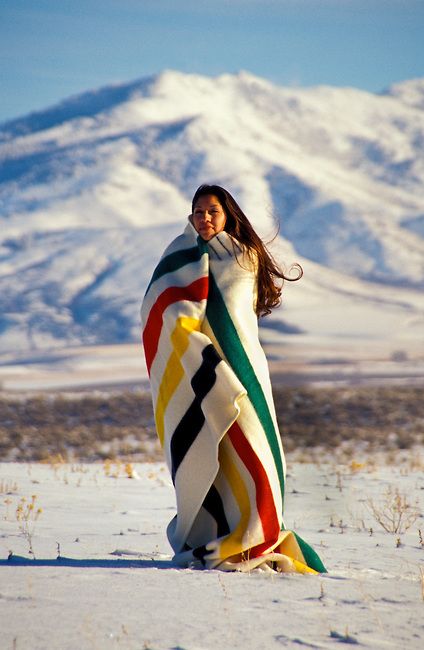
214 410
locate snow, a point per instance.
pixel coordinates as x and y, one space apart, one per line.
115 586
410 92
94 188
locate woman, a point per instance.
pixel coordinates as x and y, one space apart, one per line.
212 396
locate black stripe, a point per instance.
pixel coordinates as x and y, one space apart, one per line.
223 246
200 553
213 504
211 248
193 419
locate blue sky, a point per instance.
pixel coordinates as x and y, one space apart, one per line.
50 49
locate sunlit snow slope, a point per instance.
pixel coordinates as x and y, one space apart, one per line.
92 189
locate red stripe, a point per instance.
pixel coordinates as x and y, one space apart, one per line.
264 497
194 292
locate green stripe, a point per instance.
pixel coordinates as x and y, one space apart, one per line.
177 260
229 341
312 558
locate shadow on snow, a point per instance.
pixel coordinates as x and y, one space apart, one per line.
17 560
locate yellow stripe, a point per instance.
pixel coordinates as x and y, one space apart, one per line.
174 371
303 568
233 544
289 547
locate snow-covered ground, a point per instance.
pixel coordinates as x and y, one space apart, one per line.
293 360
114 585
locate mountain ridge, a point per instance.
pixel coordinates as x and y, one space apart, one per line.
120 91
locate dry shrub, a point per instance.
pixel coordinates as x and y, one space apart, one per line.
394 512
373 418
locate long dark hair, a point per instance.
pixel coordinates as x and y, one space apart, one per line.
270 276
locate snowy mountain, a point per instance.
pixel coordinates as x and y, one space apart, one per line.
91 191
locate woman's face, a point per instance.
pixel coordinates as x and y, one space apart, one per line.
208 216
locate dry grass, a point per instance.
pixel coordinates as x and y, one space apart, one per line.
394 512
27 515
91 427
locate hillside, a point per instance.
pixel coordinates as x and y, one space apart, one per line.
93 188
